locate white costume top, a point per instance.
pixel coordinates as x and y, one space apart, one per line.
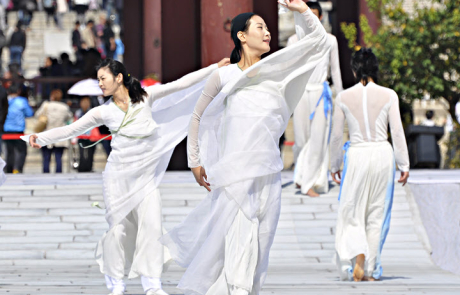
368 111
322 69
143 139
214 85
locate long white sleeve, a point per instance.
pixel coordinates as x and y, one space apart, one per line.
306 23
338 122
158 91
90 120
397 135
211 89
335 66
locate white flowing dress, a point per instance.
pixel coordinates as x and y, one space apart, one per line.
312 135
225 241
143 139
366 192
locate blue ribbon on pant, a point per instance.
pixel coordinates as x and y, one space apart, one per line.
327 96
346 146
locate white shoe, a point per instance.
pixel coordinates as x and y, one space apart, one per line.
116 293
156 292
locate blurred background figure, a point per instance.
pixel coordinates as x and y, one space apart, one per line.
15 123
429 119
17 44
3 113
76 37
86 154
108 40
50 8
88 35
81 6
58 114
61 9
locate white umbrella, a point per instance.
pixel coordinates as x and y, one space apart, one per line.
87 87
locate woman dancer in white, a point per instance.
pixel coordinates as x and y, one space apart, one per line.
367 182
234 133
312 122
145 131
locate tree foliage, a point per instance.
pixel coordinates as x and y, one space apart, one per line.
419 52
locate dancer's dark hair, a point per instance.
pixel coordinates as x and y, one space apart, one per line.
365 65
239 24
317 6
136 92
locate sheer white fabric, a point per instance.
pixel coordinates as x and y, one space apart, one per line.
330 66
368 111
2 174
238 137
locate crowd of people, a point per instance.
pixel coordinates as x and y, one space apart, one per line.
87 35
91 41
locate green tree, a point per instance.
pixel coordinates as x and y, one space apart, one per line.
419 52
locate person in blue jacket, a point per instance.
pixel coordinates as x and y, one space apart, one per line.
15 123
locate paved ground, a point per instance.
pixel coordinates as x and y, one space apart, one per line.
49 230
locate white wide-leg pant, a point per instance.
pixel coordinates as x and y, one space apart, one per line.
131 246
311 142
366 198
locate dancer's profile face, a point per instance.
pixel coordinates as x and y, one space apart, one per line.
257 38
108 82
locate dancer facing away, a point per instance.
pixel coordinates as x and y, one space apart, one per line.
145 129
312 121
367 182
239 119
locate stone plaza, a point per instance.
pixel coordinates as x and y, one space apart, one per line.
49 230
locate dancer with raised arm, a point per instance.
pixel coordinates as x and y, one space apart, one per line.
146 125
233 138
367 181
312 121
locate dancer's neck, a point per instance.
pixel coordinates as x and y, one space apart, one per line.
247 60
367 81
121 96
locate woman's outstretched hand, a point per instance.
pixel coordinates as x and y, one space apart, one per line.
403 178
336 177
201 177
33 142
224 62
295 5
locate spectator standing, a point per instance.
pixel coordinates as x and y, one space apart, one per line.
26 10
76 37
81 6
3 40
50 8
3 113
429 119
108 40
15 123
88 35
17 44
86 154
58 114
62 9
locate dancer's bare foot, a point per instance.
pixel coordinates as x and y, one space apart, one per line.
297 186
358 273
312 193
372 279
